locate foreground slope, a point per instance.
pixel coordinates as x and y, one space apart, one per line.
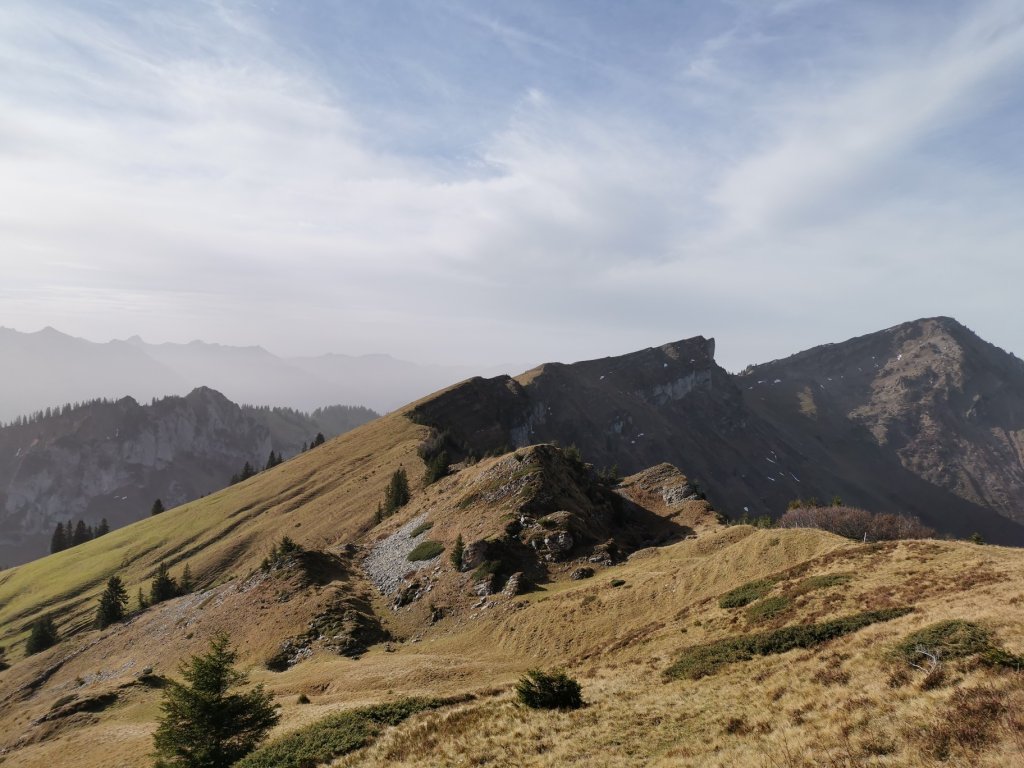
696 643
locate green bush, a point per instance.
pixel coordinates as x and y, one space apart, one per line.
422 528
549 690
457 552
485 569
426 550
999 657
706 659
42 636
812 583
949 639
768 608
746 593
334 736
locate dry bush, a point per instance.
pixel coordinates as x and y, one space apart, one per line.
854 523
969 722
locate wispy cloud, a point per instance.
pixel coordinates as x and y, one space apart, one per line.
579 188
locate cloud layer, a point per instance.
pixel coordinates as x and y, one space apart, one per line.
452 182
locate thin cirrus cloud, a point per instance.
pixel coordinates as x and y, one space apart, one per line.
463 183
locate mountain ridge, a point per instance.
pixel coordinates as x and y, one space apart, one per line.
111 459
53 368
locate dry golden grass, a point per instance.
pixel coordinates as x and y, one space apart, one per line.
846 703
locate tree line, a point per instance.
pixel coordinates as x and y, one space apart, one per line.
67 536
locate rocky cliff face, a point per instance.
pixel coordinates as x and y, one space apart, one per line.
930 395
112 459
932 431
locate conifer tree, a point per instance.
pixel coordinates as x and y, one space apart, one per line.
103 528
318 440
81 534
457 552
112 603
397 493
59 540
186 585
43 636
157 508
163 587
203 724
143 603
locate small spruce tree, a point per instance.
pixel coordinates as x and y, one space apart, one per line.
457 551
81 534
112 603
186 585
143 603
318 440
157 508
103 528
397 494
42 636
203 723
163 587
59 541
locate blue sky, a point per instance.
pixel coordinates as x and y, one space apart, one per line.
485 182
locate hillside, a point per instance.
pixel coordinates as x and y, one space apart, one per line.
351 621
697 643
111 460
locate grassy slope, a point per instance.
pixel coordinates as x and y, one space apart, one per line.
321 498
792 709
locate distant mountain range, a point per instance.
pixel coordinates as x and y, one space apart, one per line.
924 418
112 459
49 368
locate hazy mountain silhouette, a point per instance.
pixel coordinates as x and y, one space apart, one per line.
49 368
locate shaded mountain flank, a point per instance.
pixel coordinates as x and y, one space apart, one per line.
111 460
921 419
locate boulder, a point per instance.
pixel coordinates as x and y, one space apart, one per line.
515 585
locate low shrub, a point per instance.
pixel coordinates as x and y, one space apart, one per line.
950 639
1001 658
969 722
335 735
856 523
706 659
422 528
768 608
485 569
812 583
426 550
746 593
549 690
618 582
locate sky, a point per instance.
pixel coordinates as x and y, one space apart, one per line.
470 181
